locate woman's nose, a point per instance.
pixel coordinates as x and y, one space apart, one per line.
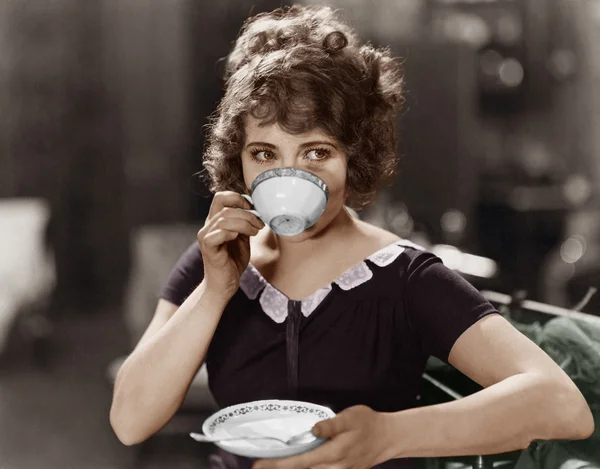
288 162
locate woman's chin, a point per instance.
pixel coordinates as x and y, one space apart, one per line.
307 233
316 230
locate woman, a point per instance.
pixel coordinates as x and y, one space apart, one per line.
308 318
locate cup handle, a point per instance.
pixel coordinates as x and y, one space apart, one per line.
254 212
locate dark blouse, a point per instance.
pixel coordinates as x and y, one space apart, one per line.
364 339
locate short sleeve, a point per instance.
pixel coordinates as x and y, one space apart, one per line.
185 276
441 304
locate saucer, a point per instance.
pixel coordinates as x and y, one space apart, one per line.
278 418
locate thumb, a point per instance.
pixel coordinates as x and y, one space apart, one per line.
327 428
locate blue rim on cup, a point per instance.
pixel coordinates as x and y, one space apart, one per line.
278 172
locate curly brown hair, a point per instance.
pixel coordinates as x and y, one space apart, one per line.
305 68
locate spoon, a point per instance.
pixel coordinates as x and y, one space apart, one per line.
290 441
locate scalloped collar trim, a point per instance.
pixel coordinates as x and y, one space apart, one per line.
275 304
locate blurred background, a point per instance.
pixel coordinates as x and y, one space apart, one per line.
102 108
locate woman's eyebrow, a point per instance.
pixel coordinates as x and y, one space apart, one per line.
318 142
262 144
304 145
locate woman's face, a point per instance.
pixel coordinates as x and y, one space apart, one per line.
271 147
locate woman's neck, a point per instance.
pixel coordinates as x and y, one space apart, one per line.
342 228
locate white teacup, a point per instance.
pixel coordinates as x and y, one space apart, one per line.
288 200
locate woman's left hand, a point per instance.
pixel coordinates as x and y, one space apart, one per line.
358 438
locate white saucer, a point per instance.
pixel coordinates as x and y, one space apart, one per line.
278 418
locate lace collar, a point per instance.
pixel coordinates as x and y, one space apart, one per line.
275 304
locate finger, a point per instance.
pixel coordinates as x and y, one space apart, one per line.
227 199
330 427
237 213
326 454
216 238
241 225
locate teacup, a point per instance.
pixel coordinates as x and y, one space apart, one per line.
288 200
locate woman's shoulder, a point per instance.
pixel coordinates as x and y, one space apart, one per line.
389 241
190 260
185 276
391 259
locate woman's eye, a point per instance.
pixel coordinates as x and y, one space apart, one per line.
315 155
318 154
261 155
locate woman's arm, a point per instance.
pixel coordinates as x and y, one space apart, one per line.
526 397
153 382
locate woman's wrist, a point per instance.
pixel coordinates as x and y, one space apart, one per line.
405 429
393 435
211 297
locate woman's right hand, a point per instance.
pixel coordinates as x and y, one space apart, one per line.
225 242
